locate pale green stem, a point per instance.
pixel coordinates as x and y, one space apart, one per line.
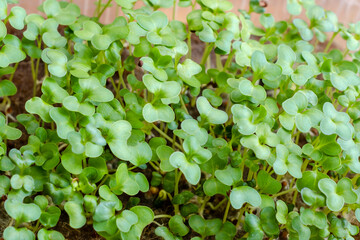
166 136
12 75
33 76
100 184
219 65
176 190
218 205
330 42
189 45
104 8
206 54
284 192
229 59
162 216
183 105
242 210
226 211
174 10
98 7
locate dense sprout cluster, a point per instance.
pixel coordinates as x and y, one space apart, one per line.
258 138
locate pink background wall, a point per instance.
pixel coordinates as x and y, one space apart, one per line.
347 10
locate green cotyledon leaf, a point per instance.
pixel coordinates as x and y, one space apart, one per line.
190 169
253 227
157 20
167 89
164 153
293 7
45 234
286 59
8 132
214 186
311 217
187 71
125 220
94 91
204 227
3 9
303 29
209 113
128 4
262 68
22 212
37 106
190 127
158 112
64 121
243 117
287 162
223 42
281 211
337 194
89 29
10 54
3 30
64 14
124 182
145 216
56 61
244 194
267 184
165 233
16 17
336 122
268 221
76 214
229 176
243 87
52 91
177 226
194 150
312 198
18 233
119 133
71 103
218 5
260 142
149 65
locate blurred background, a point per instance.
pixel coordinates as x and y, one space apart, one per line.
347 10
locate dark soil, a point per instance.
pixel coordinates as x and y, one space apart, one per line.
4 218
85 233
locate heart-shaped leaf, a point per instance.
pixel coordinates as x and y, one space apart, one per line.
267 184
76 214
177 226
205 227
125 220
7 88
337 194
229 176
45 234
209 113
22 212
190 169
244 194
18 233
158 112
